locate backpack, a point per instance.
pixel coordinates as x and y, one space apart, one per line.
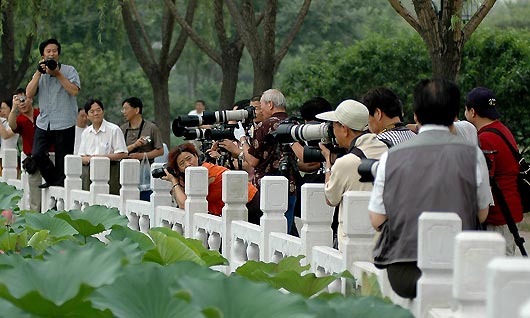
523 179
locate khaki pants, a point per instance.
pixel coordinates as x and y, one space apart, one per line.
35 193
508 236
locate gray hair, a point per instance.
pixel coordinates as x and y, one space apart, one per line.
274 96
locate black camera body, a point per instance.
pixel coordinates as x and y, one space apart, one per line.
368 169
159 172
49 63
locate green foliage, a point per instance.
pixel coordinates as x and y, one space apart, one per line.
9 196
336 72
47 271
501 62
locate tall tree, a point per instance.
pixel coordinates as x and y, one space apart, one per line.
157 70
261 44
231 50
443 32
13 67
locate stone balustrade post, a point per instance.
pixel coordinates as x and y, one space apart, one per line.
129 181
196 190
9 164
473 252
273 203
507 286
99 176
358 243
317 216
73 168
436 240
525 310
235 197
160 195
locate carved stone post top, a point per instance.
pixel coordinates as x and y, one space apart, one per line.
129 172
449 216
99 168
196 181
479 237
73 166
235 186
273 193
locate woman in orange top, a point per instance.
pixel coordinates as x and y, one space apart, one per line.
185 155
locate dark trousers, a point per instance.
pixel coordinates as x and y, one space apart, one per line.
403 278
64 145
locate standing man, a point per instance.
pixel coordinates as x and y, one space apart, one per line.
385 113
200 107
142 137
57 86
350 127
24 124
481 111
80 126
263 152
435 171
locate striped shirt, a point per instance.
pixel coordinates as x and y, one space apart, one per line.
394 136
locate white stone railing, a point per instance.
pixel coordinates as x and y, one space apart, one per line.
464 274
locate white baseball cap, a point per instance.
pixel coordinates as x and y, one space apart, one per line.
350 113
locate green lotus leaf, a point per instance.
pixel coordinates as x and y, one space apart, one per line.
94 219
12 242
56 227
169 250
355 307
9 196
236 297
144 290
123 232
39 240
60 277
210 258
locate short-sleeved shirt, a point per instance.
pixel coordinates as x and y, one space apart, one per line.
58 109
265 149
148 129
26 129
109 139
215 189
11 142
484 198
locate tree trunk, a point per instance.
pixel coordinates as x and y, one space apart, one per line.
161 105
10 76
443 31
230 69
263 76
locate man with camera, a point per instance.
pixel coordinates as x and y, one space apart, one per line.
350 127
263 152
434 171
142 136
24 124
385 116
57 86
497 141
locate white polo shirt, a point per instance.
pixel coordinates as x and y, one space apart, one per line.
109 139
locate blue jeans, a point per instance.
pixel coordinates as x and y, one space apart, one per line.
289 214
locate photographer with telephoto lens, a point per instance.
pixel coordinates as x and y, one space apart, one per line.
350 127
186 155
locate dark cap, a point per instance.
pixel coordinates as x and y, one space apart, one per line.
484 101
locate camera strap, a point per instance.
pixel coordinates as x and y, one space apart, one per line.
139 132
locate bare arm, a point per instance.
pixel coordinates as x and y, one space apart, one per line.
70 87
6 132
12 119
250 159
377 220
31 89
483 214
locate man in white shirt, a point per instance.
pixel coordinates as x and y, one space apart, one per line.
101 139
